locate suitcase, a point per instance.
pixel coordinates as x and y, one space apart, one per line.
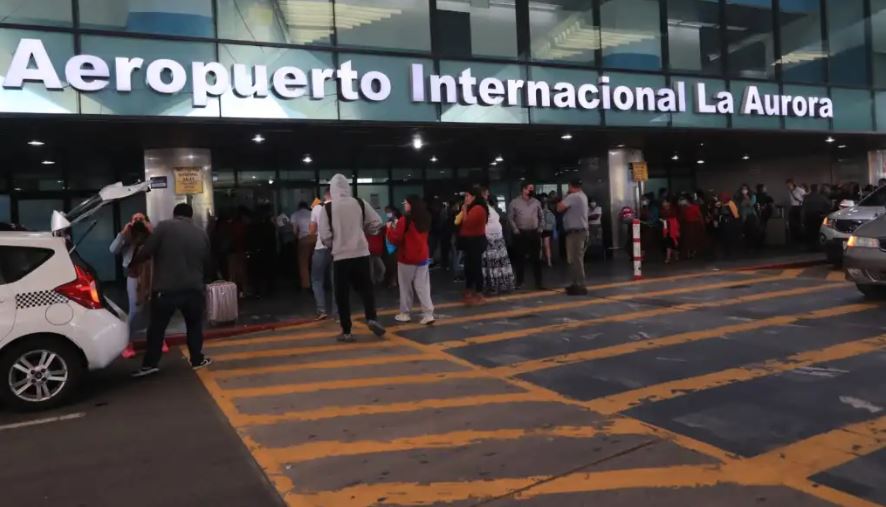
221 302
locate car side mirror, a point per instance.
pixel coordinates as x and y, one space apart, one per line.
847 203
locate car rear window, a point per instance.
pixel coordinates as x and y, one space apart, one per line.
877 198
17 261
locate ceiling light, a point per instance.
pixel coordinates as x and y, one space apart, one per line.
829 139
701 144
842 146
493 163
270 182
417 142
746 157
48 162
699 161
566 137
621 146
434 159
499 159
675 157
307 159
191 157
36 143
258 139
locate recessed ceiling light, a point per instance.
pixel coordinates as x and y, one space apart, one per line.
566 137
621 146
499 159
48 162
434 159
829 139
746 157
35 142
701 144
699 161
493 163
258 139
270 182
417 142
675 157
191 157
842 146
307 159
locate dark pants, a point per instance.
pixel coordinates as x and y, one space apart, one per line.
445 249
795 223
474 246
527 244
163 306
354 273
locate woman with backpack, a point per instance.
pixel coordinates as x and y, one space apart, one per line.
472 237
410 236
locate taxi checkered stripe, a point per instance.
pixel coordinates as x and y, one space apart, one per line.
39 298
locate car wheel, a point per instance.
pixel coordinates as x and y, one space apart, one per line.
39 373
872 291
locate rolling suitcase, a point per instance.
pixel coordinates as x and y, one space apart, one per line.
221 302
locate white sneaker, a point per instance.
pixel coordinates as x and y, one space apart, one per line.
402 317
427 320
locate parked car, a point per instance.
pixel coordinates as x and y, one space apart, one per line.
839 225
55 323
865 258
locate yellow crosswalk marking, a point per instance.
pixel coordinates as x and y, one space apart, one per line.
276 338
667 390
836 276
330 364
299 351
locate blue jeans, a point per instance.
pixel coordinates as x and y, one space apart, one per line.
321 280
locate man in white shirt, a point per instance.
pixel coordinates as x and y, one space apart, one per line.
796 196
321 265
301 221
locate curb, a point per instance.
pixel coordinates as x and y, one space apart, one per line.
785 265
226 332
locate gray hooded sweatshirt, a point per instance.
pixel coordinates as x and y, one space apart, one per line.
347 236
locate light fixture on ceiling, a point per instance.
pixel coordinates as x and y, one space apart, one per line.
699 161
675 157
746 157
566 137
701 145
307 159
48 162
191 157
493 163
35 142
620 146
842 146
417 142
434 159
499 159
258 139
829 139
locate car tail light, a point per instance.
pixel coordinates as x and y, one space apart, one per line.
82 290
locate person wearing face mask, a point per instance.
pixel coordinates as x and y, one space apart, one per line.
526 219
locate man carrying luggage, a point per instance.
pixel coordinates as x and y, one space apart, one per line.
182 260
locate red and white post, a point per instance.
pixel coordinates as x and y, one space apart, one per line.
638 251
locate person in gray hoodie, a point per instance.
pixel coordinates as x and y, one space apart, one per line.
342 228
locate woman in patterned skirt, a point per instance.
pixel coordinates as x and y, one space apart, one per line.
498 276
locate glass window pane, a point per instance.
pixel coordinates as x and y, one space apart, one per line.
298 175
372 175
36 12
143 101
38 178
223 178
261 178
180 17
484 114
753 121
401 192
383 24
436 173
650 119
399 106
630 34
406 174
802 53
5 209
694 36
563 30
853 110
690 118
878 38
94 246
377 196
34 97
289 21
575 116
466 28
795 123
749 39
274 106
880 103
846 29
34 214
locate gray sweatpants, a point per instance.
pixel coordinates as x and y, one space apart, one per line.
417 278
576 244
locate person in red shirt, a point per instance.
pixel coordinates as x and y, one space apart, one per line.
670 231
410 235
472 236
692 227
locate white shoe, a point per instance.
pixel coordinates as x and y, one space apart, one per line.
427 320
402 317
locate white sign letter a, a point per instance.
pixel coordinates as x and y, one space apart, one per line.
20 69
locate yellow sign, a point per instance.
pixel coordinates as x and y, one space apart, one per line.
188 180
640 171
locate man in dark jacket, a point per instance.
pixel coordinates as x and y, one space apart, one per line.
816 206
182 260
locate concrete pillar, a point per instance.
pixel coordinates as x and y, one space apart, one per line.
622 190
876 166
160 170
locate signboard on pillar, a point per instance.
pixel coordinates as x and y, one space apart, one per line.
640 171
188 180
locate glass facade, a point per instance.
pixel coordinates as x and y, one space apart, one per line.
836 48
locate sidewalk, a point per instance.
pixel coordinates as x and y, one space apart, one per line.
288 306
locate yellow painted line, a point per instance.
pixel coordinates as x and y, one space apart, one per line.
829 494
317 450
287 337
581 303
300 351
676 339
354 383
390 408
836 276
624 317
331 364
668 390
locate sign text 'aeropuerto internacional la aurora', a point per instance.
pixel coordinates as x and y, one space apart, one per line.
88 73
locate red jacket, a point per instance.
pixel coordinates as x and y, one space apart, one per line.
412 245
474 223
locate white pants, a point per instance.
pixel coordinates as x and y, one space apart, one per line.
417 278
136 312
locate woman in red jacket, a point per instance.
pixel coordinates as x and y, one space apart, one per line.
472 236
410 236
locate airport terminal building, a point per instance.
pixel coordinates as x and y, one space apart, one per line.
228 103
